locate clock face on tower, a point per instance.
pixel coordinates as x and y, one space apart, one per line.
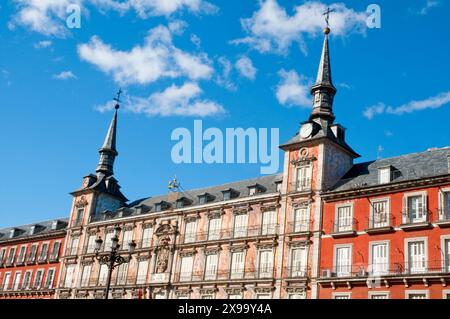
306 130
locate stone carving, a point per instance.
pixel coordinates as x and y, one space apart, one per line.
163 254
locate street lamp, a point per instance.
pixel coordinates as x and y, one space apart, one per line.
113 259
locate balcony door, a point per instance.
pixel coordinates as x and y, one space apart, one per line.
416 211
343 261
301 219
344 219
416 257
303 181
266 264
380 214
447 255
380 261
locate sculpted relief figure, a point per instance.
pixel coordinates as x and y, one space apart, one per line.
163 254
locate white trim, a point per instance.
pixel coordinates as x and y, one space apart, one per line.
338 294
372 293
445 293
388 208
388 253
416 239
335 247
410 292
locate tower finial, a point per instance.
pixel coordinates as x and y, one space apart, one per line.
108 151
327 18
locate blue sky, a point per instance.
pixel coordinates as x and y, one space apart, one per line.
178 63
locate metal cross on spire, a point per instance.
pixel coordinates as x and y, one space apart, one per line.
117 98
327 15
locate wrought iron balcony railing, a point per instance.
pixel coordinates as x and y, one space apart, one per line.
415 217
299 271
345 225
381 220
264 272
299 226
303 185
117 281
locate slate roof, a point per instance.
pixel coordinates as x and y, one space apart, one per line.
433 162
241 187
43 227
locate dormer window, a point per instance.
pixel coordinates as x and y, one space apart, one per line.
255 189
278 186
205 198
183 202
161 206
384 175
230 194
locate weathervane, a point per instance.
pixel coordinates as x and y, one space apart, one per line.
117 99
327 15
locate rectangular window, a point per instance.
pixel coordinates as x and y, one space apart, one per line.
240 225
108 241
214 228
207 296
32 255
266 264
301 219
186 268
380 214
417 295
235 296
27 280
268 222
380 261
226 195
447 255
147 235
74 246
341 296
142 271
415 209
2 256
237 264
263 296
303 182
69 276
6 279
378 295
343 259
38 279
417 259
91 244
79 216
11 255
252 191
122 273
22 253
211 267
16 282
85 275
190 231
344 219
44 252
384 175
296 296
298 261
50 278
102 275
127 238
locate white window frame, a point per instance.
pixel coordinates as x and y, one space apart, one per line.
341 294
211 272
190 234
216 234
240 231
406 250
384 175
90 248
65 282
54 255
413 292
21 258
52 281
408 218
298 272
337 223
446 294
86 275
444 206
35 253
303 183
262 272
147 236
139 275
127 238
373 222
41 257
388 257
260 295
268 224
5 284
303 223
102 275
38 285
445 263
26 285
335 257
14 248
74 250
16 285
186 275
237 274
375 293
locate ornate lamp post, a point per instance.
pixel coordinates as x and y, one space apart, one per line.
113 259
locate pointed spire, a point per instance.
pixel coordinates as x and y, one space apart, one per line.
323 90
108 151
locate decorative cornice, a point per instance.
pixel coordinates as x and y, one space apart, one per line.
236 248
264 290
188 253
215 213
208 291
212 250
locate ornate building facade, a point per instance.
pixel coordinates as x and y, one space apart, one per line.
323 228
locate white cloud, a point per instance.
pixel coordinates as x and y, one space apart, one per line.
43 44
293 89
196 40
272 29
156 58
175 100
428 5
413 106
65 75
245 67
43 16
223 79
48 16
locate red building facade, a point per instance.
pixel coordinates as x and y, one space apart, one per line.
29 259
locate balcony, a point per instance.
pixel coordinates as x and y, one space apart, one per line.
381 223
415 220
301 186
444 217
232 233
126 281
226 275
346 227
300 272
419 269
301 226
